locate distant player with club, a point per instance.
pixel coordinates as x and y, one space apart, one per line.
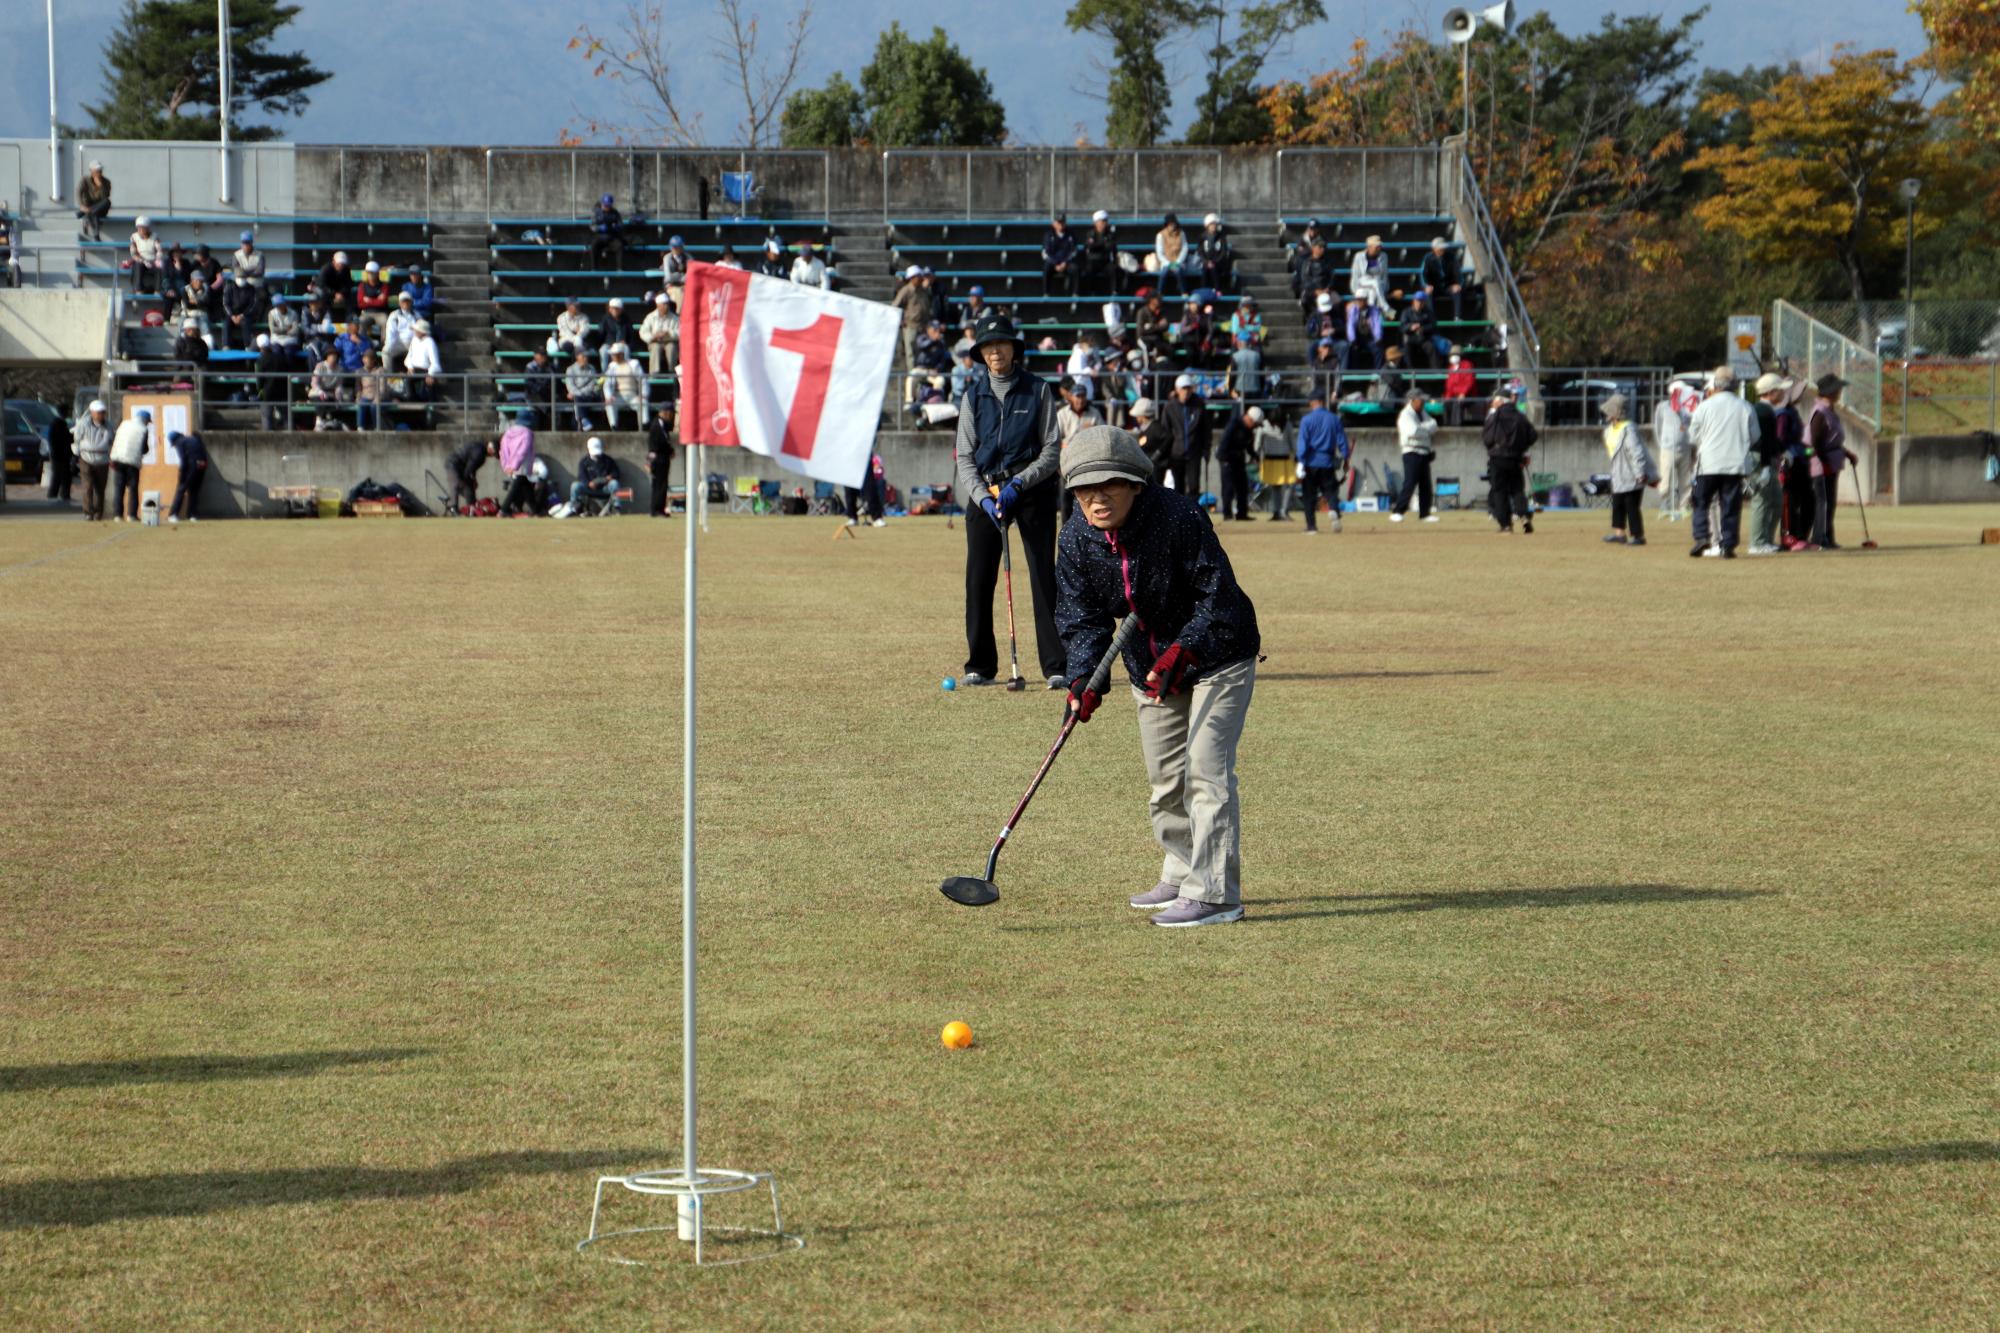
1008 450
1135 548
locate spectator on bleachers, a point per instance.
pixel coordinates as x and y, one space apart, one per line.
1059 258
809 270
596 477
614 331
275 363
1442 279
282 325
128 450
1215 255
624 388
1325 323
538 386
1461 387
572 328
463 468
400 331
674 268
179 272
1370 276
933 363
423 296
661 332
422 359
1187 417
372 294
1318 272
1077 412
1233 453
371 391
1197 332
325 385
1364 334
1154 326
660 451
316 327
146 256
242 311
1173 256
1297 255
247 261
352 344
607 235
583 387
961 373
93 202
913 297
192 302
975 308
1100 256
93 459
1392 384
326 419
728 259
1327 355
191 348
1246 347
335 284
215 276
1419 334
1086 362
772 262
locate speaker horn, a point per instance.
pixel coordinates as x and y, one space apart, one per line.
1459 25
1499 16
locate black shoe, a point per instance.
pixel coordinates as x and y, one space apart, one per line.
1696 550
1729 553
1527 525
1635 541
1613 537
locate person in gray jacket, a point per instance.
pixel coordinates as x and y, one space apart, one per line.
1722 430
1631 473
1670 437
1009 447
93 457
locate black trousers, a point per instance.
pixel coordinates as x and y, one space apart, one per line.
93 489
1826 499
1033 532
660 474
125 491
1711 488
1235 486
1628 515
1188 473
867 499
464 488
1059 283
1507 494
1321 481
1417 482
1800 504
188 487
62 473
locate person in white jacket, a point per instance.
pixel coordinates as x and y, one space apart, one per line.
624 388
1417 433
400 332
1670 437
809 270
1723 428
128 450
1370 277
661 332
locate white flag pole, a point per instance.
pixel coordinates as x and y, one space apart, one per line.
223 56
55 156
688 1222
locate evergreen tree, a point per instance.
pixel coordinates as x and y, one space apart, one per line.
913 94
160 63
1135 90
829 117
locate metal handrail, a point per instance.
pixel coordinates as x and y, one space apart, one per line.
1518 318
1364 155
658 155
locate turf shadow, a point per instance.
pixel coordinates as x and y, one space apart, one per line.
1911 1154
190 1068
1486 900
68 1202
1263 676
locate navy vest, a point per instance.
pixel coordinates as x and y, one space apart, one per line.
1007 432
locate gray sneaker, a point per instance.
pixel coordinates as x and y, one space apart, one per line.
1194 912
974 678
1153 899
1058 683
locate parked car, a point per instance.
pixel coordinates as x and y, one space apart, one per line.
38 413
1890 336
1575 402
23 447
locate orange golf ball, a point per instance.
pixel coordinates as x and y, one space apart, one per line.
956 1036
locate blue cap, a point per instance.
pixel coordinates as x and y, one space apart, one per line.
604 199
675 241
247 236
144 414
524 418
279 299
978 291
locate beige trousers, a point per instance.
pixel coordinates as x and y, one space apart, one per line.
1189 741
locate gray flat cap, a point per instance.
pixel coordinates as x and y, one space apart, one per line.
1102 453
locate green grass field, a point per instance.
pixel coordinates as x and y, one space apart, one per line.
1622 945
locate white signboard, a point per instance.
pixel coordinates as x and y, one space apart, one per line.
1746 346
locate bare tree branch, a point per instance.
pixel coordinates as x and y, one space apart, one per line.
764 93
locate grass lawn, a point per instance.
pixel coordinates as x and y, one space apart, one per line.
1622 943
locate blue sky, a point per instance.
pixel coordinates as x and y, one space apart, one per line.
496 71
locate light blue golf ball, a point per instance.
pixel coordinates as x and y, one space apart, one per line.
950 683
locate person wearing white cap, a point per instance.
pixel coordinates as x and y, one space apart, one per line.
191 347
93 202
148 257
399 332
661 332
1722 431
1370 275
1442 279
919 306
1216 255
596 478
335 283
373 292
772 262
422 359
128 449
246 261
1766 495
614 329
93 458
1155 438
1670 436
624 388
1232 457
1186 412
1100 256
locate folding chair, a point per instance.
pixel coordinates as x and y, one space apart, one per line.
739 191
826 499
743 499
769 494
1450 495
1594 491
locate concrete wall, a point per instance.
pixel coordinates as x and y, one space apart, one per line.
44 324
1943 469
248 463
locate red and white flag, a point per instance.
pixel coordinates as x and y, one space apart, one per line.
791 372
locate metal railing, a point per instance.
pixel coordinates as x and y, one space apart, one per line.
1399 201
704 162
1520 325
1808 348
199 194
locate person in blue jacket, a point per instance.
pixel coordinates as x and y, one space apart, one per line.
1134 548
1322 453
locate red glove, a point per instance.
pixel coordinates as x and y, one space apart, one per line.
1170 672
1082 699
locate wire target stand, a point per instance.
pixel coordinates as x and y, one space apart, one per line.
689 1225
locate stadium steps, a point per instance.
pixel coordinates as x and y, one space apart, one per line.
462 269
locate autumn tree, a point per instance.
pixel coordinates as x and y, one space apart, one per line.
1246 35
637 55
161 73
1818 176
1965 45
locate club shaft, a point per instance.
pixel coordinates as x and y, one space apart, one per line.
1007 568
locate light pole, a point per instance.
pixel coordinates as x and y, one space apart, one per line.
55 154
223 54
1459 27
1909 189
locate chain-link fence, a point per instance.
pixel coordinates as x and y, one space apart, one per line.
1806 347
1952 330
